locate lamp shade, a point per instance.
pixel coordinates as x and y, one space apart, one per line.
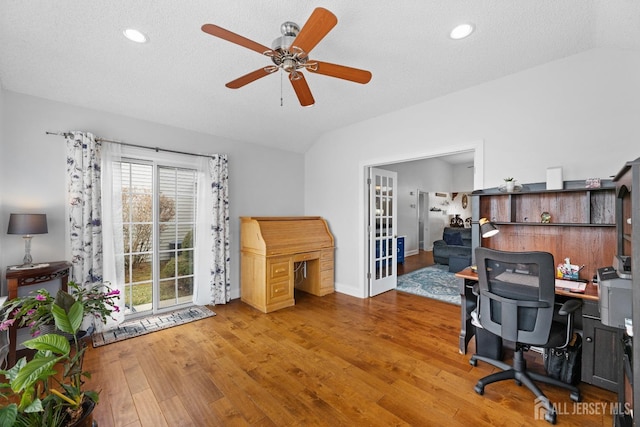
487 228
27 224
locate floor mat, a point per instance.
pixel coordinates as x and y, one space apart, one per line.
145 325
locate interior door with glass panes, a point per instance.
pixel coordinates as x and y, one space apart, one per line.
382 231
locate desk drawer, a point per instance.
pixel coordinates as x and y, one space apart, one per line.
279 290
326 279
279 269
590 309
307 256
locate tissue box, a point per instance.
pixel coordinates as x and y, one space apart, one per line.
567 271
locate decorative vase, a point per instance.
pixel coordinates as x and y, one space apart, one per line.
510 186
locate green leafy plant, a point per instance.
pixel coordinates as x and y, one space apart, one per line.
508 179
48 389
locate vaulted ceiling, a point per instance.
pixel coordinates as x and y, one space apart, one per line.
74 52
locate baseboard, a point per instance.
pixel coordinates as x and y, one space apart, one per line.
350 290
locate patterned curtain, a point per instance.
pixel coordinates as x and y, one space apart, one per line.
220 261
85 220
212 232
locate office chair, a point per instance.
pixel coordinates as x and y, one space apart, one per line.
516 301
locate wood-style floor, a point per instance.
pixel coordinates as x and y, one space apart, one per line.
336 360
415 262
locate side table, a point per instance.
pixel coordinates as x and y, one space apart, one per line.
18 277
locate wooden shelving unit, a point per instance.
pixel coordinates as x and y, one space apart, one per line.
582 225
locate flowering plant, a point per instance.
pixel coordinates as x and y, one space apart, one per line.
37 394
34 309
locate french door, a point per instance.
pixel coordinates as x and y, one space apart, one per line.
382 227
158 213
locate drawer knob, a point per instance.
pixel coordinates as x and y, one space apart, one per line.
589 339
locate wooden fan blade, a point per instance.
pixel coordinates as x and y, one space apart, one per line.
248 78
302 90
227 35
317 26
341 72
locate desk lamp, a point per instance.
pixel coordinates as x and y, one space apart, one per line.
487 228
27 225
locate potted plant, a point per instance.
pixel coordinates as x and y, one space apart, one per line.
48 389
35 309
510 184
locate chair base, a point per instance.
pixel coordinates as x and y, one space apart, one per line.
518 372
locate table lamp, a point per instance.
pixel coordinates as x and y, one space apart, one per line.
27 225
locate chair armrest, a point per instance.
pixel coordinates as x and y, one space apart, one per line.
567 309
570 306
439 243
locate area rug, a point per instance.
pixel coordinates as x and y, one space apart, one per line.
433 282
146 325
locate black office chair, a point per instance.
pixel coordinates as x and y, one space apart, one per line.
516 301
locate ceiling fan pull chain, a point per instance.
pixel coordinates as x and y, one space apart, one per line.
281 104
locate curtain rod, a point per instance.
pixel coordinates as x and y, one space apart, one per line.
156 149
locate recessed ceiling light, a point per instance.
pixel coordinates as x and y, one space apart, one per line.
135 35
461 31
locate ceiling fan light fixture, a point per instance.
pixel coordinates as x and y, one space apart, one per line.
135 35
461 31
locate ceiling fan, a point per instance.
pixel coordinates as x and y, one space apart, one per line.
290 53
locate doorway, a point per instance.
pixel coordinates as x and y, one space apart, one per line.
473 152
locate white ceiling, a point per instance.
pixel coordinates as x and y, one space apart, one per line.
74 51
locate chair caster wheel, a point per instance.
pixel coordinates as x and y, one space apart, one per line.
575 396
519 383
479 389
473 362
550 417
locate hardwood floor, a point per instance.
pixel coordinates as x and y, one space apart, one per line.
416 262
335 360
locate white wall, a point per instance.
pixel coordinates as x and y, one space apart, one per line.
425 175
262 181
580 112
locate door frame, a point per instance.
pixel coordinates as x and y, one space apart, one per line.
423 209
363 210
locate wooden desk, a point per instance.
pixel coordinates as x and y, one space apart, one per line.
280 253
467 303
16 278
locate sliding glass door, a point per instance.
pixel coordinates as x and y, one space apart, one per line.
158 212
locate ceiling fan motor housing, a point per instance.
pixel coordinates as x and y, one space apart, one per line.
289 32
288 60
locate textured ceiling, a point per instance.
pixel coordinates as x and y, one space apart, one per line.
74 51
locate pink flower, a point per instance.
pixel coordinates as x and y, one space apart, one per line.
36 333
30 312
41 297
6 324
